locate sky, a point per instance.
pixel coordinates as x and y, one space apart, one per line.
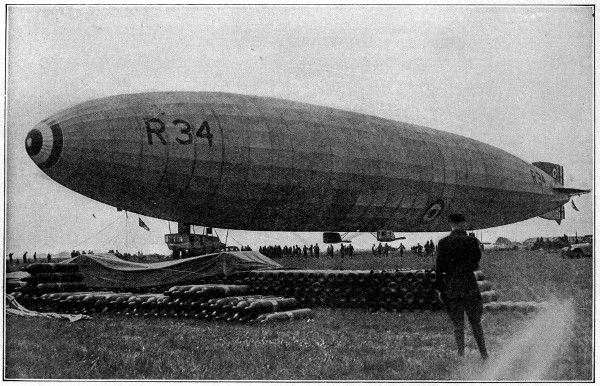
520 78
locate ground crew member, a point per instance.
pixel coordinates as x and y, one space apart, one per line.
458 257
25 258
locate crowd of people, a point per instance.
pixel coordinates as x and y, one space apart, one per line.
385 249
277 251
429 248
26 259
77 253
313 251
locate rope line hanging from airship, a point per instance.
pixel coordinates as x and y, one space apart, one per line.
118 232
240 244
97 233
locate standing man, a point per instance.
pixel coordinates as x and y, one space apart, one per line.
458 257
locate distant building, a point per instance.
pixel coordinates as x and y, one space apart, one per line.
502 243
530 243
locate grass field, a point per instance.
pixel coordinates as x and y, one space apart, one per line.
342 344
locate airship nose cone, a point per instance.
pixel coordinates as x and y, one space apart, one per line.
44 144
33 142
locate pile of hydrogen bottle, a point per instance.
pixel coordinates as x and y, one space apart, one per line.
250 297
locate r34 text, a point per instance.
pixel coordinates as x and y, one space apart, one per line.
186 134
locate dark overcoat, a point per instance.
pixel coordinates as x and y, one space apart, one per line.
458 257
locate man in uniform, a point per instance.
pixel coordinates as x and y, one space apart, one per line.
458 257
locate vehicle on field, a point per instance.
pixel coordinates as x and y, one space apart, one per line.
579 250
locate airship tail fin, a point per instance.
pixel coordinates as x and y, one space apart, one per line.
557 214
554 170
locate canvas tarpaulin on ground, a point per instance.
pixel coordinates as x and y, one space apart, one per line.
108 271
14 308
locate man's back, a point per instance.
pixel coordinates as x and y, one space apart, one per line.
458 256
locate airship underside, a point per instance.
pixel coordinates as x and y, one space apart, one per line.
254 163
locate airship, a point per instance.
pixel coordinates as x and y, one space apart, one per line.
256 163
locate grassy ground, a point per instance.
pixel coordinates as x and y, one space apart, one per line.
336 345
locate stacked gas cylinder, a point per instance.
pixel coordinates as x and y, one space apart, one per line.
233 303
50 277
244 296
393 290
209 302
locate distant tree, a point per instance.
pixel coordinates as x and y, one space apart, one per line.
502 240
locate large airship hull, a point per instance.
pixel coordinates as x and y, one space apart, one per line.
255 163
